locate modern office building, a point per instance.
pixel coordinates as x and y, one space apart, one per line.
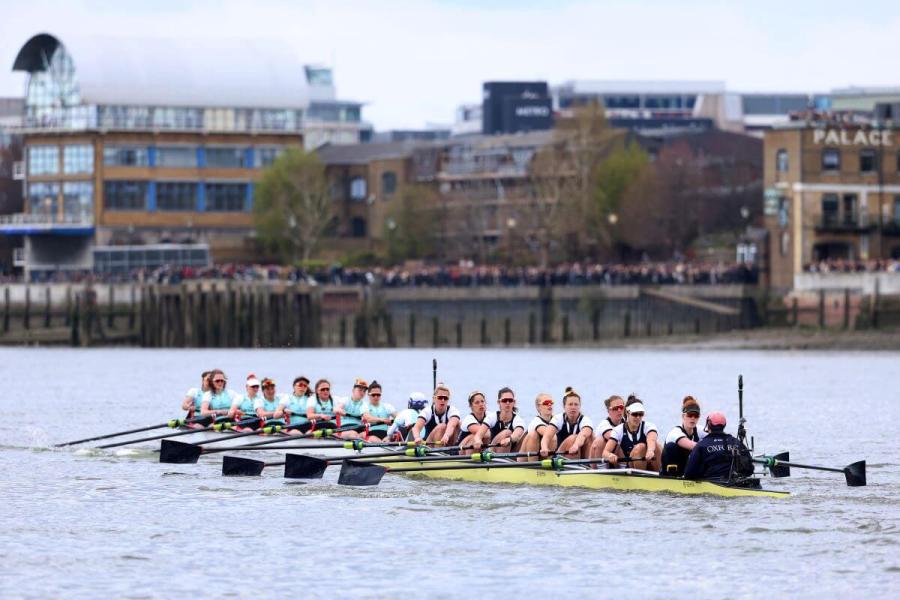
515 107
136 142
832 191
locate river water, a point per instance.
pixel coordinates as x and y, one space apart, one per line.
88 525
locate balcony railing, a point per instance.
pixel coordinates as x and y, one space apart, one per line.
26 223
848 222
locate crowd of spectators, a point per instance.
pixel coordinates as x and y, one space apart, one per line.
464 274
838 265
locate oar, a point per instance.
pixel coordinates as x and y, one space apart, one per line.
854 473
356 472
298 466
180 453
173 423
217 427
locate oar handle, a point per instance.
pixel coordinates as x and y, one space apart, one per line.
169 423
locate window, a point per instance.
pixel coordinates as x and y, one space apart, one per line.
851 217
225 197
176 156
43 160
829 210
125 195
358 188
125 156
176 195
78 201
781 161
897 210
43 199
866 161
78 159
831 159
225 158
264 157
358 227
388 183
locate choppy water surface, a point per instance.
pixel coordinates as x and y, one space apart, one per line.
101 525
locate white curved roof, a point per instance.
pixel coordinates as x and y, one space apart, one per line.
179 72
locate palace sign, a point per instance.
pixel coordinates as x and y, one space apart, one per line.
843 137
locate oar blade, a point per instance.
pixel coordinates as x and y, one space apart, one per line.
360 473
178 453
235 466
298 466
856 474
781 470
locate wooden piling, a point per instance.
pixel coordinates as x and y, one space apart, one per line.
821 309
412 330
846 308
507 331
47 308
111 308
459 334
26 320
6 309
435 332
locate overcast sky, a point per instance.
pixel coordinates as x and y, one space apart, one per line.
414 61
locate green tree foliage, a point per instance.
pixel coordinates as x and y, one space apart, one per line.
293 206
410 224
615 175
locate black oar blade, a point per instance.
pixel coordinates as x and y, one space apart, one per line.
178 453
359 473
781 470
297 466
235 466
856 474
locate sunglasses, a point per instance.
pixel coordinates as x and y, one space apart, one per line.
218 381
638 415
254 387
547 403
617 408
303 383
694 415
375 395
507 400
324 389
442 397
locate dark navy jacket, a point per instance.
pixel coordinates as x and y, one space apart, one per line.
711 458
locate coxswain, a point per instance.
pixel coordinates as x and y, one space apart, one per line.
472 433
377 415
540 437
218 400
247 405
574 429
615 414
351 410
505 428
406 418
193 398
268 404
719 456
321 408
634 438
293 407
682 439
439 422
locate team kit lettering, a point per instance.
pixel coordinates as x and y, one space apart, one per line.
842 137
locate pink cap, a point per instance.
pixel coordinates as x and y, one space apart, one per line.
716 419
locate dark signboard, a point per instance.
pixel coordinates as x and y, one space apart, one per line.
508 105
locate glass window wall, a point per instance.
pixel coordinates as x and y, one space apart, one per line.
43 160
125 156
264 157
43 199
225 158
125 195
78 159
78 201
176 156
225 197
176 195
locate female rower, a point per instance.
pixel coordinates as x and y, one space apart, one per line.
293 407
615 410
247 406
505 427
377 415
351 410
403 423
320 410
269 402
540 437
634 438
682 439
575 431
472 433
439 422
217 401
193 398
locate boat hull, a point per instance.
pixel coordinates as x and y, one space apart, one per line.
603 479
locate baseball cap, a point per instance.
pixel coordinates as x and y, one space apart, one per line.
716 419
636 407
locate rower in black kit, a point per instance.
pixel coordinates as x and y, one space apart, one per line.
719 456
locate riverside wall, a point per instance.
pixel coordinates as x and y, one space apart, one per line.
282 314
